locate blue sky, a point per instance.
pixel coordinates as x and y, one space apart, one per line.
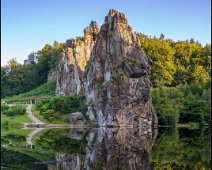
27 25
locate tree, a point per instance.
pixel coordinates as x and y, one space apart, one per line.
32 58
12 63
162 36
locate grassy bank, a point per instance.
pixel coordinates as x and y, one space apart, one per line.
44 91
12 132
13 124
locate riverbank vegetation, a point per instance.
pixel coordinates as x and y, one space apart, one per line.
183 104
59 108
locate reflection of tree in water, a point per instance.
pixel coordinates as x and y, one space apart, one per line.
110 149
59 140
182 149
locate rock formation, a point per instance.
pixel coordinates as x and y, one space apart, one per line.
115 80
117 85
73 60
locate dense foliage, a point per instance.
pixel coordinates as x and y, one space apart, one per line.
177 62
182 149
17 78
59 140
183 104
53 108
13 110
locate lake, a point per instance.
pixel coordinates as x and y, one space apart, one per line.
108 148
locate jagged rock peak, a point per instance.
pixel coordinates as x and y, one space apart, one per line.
73 60
90 34
117 85
120 17
91 31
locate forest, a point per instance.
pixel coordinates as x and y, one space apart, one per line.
180 76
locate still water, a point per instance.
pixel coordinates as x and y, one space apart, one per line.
108 149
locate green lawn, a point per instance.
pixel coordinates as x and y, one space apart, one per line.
13 125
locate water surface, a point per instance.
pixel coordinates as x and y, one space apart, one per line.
110 149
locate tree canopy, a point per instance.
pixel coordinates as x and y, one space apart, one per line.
18 78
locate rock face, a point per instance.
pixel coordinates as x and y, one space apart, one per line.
53 74
109 67
116 82
77 118
72 62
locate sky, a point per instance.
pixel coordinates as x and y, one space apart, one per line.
27 25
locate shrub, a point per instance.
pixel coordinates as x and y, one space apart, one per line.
99 86
15 110
4 107
39 104
5 125
48 113
18 110
58 107
8 113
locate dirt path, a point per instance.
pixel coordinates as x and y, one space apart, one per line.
29 138
35 120
31 116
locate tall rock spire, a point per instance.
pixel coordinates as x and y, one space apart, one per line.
116 82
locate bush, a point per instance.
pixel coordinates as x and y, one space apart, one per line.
18 110
15 110
5 125
8 113
58 107
39 104
48 114
4 107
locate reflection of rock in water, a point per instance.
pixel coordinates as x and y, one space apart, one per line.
124 149
77 133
